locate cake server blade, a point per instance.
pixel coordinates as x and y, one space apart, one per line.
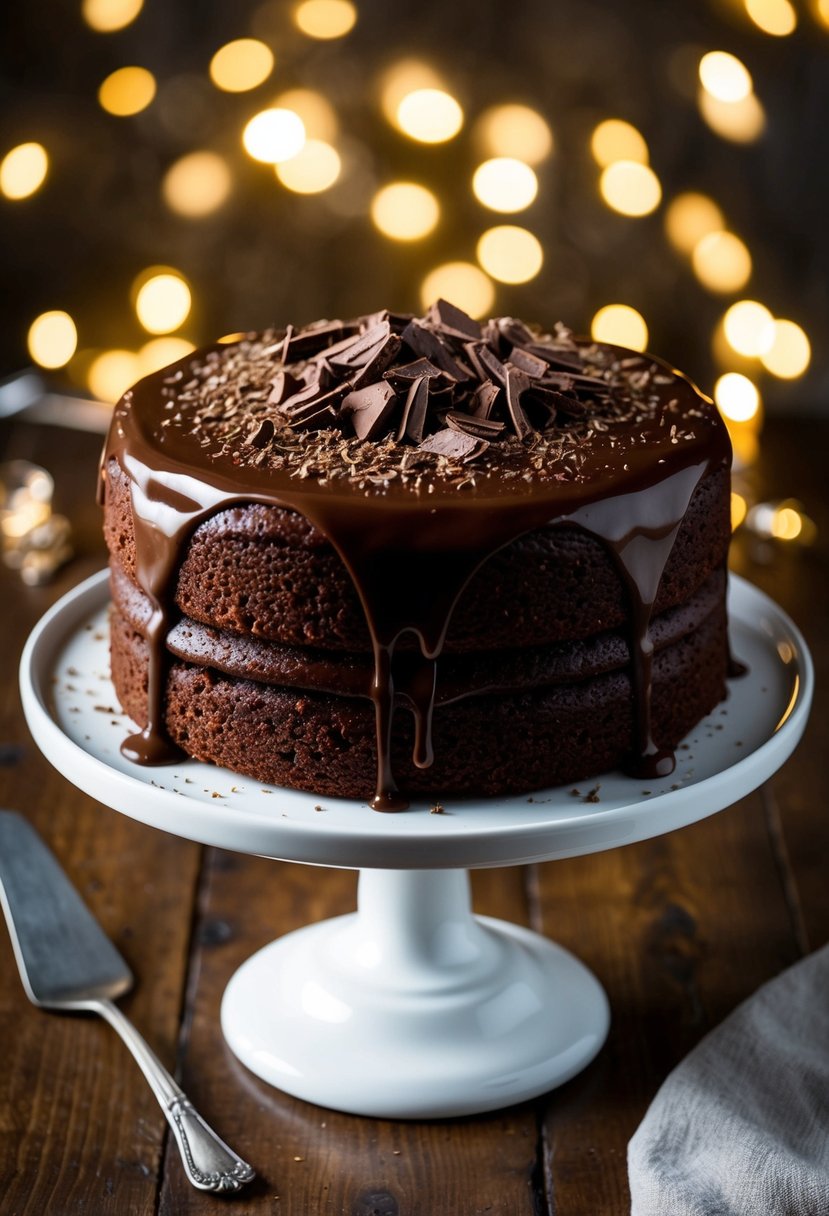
67 962
62 953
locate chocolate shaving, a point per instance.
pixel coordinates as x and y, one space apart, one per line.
414 411
454 444
452 321
483 428
370 409
263 435
484 398
424 342
517 383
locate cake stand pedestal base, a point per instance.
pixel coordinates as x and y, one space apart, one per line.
412 1007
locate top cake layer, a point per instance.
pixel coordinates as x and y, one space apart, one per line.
419 447
389 402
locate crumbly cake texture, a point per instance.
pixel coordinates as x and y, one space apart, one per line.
269 660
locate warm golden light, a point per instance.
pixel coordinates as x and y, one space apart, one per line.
274 135
736 397
725 76
325 18
197 184
510 254
515 130
241 65
505 184
105 16
740 121
790 352
739 506
405 211
430 116
749 328
821 11
312 170
775 17
721 262
112 373
160 352
620 325
689 217
402 78
23 170
786 523
462 283
127 91
317 113
52 339
162 301
614 140
630 188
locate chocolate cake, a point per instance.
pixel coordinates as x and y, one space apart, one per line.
417 556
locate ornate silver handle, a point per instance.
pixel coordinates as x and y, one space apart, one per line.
208 1162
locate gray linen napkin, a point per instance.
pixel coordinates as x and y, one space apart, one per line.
741 1126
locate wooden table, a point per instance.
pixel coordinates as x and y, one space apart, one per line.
679 930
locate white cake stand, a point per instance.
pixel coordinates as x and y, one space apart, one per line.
413 1007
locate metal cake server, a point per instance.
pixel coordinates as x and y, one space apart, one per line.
67 962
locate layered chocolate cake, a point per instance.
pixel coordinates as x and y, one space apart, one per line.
417 556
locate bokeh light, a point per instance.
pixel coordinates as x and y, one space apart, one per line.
790 351
786 523
405 211
162 300
431 116
505 184
274 135
630 188
112 373
721 262
689 217
510 254
725 76
197 184
739 506
740 121
463 284
318 115
314 169
404 77
241 65
515 130
749 328
614 140
127 91
52 339
106 16
737 397
775 17
325 18
23 170
160 352
620 325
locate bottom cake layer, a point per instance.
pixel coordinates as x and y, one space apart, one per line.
484 745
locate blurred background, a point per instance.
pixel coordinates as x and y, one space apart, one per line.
173 171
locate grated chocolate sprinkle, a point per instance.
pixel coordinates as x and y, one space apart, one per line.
394 398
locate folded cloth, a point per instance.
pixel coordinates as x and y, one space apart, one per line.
741 1126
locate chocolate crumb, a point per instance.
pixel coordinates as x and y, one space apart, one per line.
437 809
592 795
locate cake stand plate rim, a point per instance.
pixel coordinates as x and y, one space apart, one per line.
483 832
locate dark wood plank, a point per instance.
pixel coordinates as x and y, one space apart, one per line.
319 1161
680 929
793 464
79 1127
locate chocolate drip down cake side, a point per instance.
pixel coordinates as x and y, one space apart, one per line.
405 556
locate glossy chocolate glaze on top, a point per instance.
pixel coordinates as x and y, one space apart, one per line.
411 546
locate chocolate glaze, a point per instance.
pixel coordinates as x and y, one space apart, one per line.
410 552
